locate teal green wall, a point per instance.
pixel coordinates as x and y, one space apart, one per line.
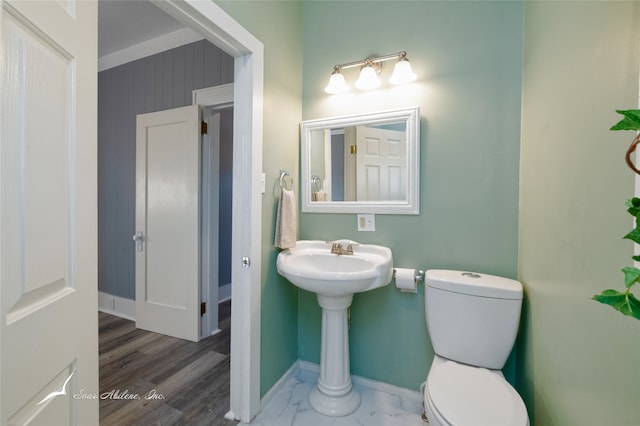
468 57
576 358
579 359
278 26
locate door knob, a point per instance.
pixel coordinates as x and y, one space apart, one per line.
139 239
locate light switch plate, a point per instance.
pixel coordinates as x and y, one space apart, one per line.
366 222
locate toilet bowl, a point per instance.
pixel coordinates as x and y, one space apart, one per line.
472 321
459 394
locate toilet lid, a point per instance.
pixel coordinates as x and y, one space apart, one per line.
466 395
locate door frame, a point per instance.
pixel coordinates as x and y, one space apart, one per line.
210 98
222 30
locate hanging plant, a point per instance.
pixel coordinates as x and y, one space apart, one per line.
625 302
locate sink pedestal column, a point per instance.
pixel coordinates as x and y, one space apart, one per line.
334 394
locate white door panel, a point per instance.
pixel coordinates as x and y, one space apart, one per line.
381 164
48 287
168 215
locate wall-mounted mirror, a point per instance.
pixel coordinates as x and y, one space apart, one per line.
367 163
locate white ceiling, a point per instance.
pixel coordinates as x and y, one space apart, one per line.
123 23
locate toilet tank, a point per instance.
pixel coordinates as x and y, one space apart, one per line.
472 318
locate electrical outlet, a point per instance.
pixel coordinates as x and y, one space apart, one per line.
366 222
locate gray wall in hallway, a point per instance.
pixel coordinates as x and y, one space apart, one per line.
154 83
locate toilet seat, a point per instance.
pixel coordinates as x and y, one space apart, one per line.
465 395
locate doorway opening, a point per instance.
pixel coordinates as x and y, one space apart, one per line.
220 29
217 219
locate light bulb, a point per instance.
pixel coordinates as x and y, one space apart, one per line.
402 73
336 84
368 79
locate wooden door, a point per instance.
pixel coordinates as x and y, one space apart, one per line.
168 222
48 213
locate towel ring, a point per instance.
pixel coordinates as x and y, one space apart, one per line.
284 173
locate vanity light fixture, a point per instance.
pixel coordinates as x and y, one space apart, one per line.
370 68
402 72
368 78
336 83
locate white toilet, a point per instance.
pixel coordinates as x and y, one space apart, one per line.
472 321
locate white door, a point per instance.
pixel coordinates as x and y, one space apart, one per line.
381 164
168 222
48 210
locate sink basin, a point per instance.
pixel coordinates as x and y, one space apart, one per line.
311 266
335 278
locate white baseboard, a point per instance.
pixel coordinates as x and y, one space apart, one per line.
404 393
126 308
314 369
224 293
291 372
116 305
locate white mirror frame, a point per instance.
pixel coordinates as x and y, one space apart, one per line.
410 206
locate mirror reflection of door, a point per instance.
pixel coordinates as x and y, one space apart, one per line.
375 164
380 164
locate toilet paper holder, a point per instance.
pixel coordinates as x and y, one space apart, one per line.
419 275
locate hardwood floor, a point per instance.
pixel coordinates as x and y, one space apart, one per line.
152 379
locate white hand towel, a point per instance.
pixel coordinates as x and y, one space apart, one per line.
319 196
286 220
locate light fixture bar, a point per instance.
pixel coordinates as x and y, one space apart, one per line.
374 59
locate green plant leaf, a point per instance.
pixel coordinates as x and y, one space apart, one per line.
633 206
633 202
625 303
631 120
636 258
634 235
631 275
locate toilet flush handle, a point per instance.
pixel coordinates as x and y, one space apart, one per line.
471 275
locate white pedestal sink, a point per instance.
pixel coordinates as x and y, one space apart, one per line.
335 278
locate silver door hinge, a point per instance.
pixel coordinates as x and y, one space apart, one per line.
246 262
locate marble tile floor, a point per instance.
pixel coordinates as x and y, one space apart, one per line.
290 407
